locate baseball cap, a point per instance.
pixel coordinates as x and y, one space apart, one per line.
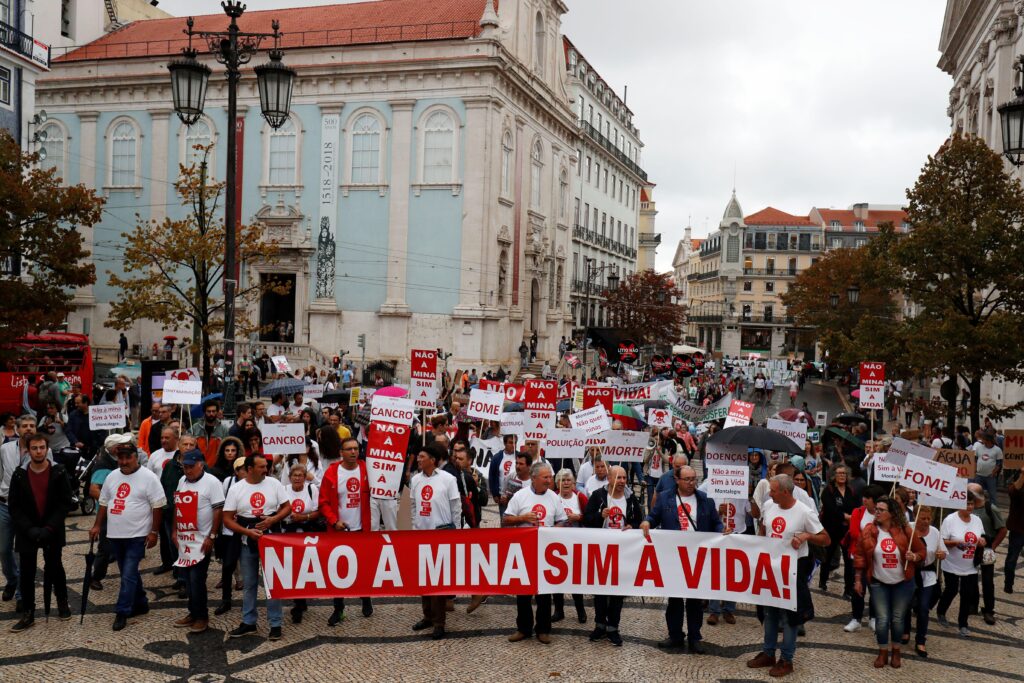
116 441
192 457
239 462
60 374
798 462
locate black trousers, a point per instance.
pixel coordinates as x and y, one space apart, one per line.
434 609
53 568
967 587
607 610
558 599
168 549
231 551
825 569
694 613
525 622
987 572
104 556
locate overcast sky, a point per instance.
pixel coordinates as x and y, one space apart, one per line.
812 103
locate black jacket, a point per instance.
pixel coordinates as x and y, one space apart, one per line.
28 524
599 501
469 490
833 507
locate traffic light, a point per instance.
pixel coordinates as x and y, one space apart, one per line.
362 341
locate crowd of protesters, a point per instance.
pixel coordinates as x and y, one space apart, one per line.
899 563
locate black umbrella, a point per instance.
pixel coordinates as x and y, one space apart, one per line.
286 386
755 437
90 558
656 404
342 397
851 417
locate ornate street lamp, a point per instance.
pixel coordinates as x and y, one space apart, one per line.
189 79
1011 115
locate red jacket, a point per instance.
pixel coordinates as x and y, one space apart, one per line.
328 503
852 538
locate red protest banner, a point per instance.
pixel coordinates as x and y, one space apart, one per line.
872 373
541 394
423 364
385 457
603 396
513 392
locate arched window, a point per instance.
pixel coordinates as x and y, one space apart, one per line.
558 287
502 275
55 149
563 194
732 249
438 148
539 46
506 163
282 162
198 134
124 143
366 133
535 174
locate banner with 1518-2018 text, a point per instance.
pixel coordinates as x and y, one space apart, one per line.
526 561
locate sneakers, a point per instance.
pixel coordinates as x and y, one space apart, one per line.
871 623
64 612
597 634
244 630
781 668
25 623
337 616
696 648
614 638
9 591
853 626
275 633
438 633
184 622
763 660
941 618
990 618
96 585
712 619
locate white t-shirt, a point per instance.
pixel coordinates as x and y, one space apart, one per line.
888 567
868 518
931 544
194 503
942 442
433 500
586 473
304 501
987 459
274 410
130 500
255 500
547 506
350 498
616 518
158 460
733 511
960 560
286 471
794 387
656 470
227 485
786 524
684 505
505 468
571 505
594 484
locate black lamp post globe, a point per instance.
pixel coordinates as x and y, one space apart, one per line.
189 79
275 81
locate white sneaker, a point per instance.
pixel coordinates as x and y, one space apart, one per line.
854 625
871 624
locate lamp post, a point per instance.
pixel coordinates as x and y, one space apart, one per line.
232 48
613 284
1011 115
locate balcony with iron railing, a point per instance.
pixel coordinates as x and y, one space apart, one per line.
650 239
583 234
767 319
771 272
580 287
697 277
22 44
614 151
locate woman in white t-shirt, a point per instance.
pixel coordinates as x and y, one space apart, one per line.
927 579
886 557
963 535
305 516
574 504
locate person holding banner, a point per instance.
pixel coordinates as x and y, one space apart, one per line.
612 507
886 556
305 516
963 534
926 578
574 503
686 510
499 470
344 502
791 521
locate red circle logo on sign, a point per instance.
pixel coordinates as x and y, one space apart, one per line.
888 545
970 538
779 525
352 485
123 490
257 500
427 492
298 506
540 511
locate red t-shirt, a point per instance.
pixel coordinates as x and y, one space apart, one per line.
39 482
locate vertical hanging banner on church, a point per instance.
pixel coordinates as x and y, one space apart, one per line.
328 203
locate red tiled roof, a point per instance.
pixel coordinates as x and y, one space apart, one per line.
382 21
847 218
772 216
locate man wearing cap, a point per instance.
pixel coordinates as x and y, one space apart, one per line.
131 504
198 503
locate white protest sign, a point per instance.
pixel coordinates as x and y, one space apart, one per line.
184 373
821 419
659 417
283 438
872 396
728 481
512 423
280 364
957 499
184 392
886 469
901 448
926 476
484 449
392 409
313 392
593 420
109 416
186 522
537 423
424 393
485 405
725 454
564 443
796 431
621 446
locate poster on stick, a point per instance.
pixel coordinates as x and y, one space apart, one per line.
728 481
385 458
485 405
725 454
391 409
1013 449
107 416
602 396
512 423
183 392
619 445
963 461
795 431
564 443
659 417
926 476
885 469
957 499
423 364
740 414
593 420
283 438
901 448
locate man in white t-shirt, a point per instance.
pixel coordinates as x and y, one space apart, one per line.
198 503
501 467
168 448
535 505
791 521
131 504
600 478
436 504
989 459
253 507
276 410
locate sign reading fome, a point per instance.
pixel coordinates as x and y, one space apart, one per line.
628 351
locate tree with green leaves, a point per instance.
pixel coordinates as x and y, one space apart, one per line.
174 268
42 256
961 265
644 307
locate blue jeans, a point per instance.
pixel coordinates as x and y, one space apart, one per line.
128 552
651 485
195 585
990 485
890 602
7 560
773 618
921 608
715 606
250 562
1014 547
